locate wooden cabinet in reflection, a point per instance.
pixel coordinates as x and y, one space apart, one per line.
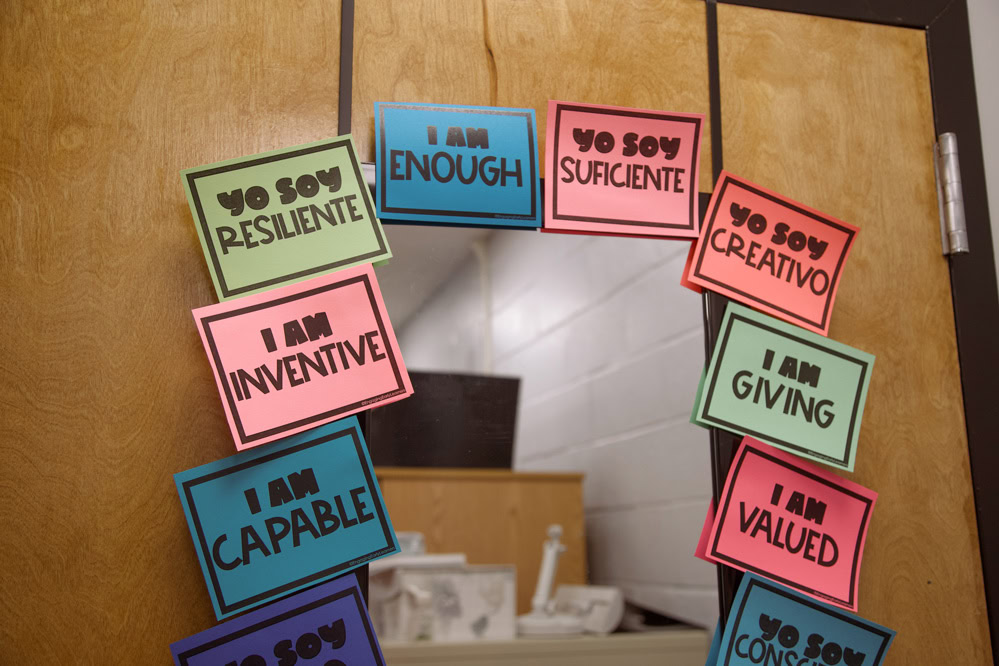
493 516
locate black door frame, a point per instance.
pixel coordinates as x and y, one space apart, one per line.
973 275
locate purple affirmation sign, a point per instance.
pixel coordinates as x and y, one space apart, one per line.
327 625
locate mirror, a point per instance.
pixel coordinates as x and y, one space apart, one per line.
554 378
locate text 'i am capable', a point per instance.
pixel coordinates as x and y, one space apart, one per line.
321 519
285 516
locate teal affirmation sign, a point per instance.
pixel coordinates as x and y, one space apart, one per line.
463 165
770 624
285 516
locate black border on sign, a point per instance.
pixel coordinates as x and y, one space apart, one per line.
722 515
691 193
352 591
531 150
205 551
210 241
973 276
706 233
206 322
710 388
839 614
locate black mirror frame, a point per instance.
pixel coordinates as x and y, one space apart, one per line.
973 275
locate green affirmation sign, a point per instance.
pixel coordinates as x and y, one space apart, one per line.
785 386
284 216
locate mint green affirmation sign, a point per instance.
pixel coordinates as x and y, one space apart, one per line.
785 386
281 217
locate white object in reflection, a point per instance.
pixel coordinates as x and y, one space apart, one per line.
599 607
543 620
411 543
440 597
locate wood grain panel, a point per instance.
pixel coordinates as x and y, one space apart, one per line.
493 516
642 53
838 115
105 391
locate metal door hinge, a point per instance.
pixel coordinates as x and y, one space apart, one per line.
950 197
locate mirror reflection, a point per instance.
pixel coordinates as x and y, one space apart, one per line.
545 468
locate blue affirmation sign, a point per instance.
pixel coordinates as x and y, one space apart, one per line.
285 516
466 165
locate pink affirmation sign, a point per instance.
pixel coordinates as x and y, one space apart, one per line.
770 253
296 357
622 172
792 522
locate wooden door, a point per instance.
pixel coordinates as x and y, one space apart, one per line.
105 391
838 114
104 388
512 53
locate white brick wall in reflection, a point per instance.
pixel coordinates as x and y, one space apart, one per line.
609 347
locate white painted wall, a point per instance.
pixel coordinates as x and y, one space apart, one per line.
610 348
984 17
